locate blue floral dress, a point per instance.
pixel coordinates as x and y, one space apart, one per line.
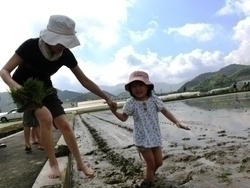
147 131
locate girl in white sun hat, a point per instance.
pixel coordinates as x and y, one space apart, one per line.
40 58
144 106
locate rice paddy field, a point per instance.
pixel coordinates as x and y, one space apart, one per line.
214 153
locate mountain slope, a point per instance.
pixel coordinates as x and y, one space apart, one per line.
224 77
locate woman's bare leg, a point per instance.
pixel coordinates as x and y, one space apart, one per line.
45 120
69 137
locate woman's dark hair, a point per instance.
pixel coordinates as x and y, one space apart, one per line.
149 92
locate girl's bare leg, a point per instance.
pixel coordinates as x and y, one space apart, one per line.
150 162
157 152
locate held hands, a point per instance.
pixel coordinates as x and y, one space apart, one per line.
181 126
112 105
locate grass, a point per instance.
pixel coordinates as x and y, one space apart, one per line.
30 96
14 127
224 176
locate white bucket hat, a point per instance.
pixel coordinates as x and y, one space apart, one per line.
60 30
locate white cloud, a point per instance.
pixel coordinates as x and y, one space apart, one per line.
199 31
242 35
242 30
99 24
166 69
139 36
195 63
96 21
235 6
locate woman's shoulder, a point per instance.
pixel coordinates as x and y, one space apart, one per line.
30 46
32 41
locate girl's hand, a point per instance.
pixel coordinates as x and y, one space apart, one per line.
112 105
179 125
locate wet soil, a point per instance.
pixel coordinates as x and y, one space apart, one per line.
215 153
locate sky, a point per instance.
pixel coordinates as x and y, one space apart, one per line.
172 40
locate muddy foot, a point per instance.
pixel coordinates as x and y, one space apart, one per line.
86 170
54 172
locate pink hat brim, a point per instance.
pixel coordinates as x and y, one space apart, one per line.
145 81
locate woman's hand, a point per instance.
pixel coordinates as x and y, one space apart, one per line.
16 86
112 105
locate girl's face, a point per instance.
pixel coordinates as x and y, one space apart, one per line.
139 90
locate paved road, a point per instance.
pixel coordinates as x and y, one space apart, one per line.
18 169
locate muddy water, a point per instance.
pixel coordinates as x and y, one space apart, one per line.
215 153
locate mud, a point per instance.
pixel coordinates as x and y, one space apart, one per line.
215 153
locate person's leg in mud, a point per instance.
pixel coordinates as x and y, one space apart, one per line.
38 135
45 120
69 137
53 103
35 135
148 156
26 132
157 152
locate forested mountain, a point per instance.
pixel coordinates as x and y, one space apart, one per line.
204 82
225 77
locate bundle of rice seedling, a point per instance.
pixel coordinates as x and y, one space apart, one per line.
30 96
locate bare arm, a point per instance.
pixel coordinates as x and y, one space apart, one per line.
121 116
171 117
88 84
13 62
91 86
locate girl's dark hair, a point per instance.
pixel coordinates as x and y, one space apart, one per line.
149 92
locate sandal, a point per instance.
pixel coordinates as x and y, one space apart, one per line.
62 150
40 148
2 145
28 149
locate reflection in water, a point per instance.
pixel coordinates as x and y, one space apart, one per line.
218 119
211 119
237 100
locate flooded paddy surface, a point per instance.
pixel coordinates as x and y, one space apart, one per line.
215 153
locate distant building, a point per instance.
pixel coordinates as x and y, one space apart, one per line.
243 85
214 91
